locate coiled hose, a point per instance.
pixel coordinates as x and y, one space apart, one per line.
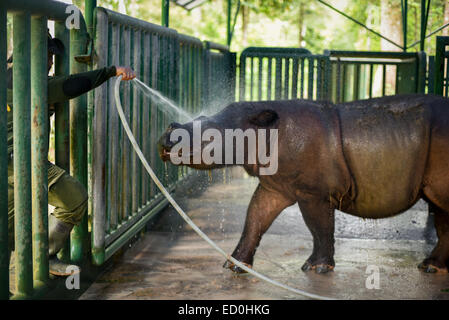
183 214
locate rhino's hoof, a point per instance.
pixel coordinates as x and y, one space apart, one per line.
307 266
229 265
319 268
323 268
430 268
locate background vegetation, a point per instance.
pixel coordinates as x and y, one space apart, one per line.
296 23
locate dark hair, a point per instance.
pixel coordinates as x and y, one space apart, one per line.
54 46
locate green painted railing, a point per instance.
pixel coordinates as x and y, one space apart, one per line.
191 73
361 75
282 73
31 137
289 73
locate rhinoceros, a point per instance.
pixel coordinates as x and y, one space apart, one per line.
371 158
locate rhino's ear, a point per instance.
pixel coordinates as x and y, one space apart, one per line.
264 118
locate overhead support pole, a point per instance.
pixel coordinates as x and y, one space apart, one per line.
165 12
230 24
424 19
89 15
404 10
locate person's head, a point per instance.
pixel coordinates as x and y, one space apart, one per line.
54 46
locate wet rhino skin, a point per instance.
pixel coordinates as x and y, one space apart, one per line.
370 158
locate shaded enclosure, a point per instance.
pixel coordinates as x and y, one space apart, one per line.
201 77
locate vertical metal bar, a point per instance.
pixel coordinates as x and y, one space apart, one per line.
146 114
4 250
252 79
154 81
165 12
242 78
125 151
422 66
278 79
136 126
113 139
39 151
269 78
99 146
371 77
22 153
311 78
78 139
319 78
295 78
62 115
302 78
338 80
384 76
422 35
356 85
228 23
259 83
404 6
286 77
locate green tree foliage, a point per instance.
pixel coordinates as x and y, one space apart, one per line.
287 23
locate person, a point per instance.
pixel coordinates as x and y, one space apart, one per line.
65 193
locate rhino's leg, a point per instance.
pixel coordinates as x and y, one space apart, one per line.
264 207
319 218
439 258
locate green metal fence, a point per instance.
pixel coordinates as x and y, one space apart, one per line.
289 73
361 75
89 142
183 68
31 136
282 73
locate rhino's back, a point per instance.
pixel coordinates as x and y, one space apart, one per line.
385 144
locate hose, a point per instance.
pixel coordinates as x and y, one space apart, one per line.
184 215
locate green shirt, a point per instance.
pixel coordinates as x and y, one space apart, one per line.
61 89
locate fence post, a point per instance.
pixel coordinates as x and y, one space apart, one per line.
4 250
99 147
439 64
78 137
22 154
39 152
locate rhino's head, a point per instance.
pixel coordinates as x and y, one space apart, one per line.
241 134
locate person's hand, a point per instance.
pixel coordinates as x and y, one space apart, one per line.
126 72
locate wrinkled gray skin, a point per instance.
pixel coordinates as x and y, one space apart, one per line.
372 158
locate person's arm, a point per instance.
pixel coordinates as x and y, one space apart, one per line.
64 88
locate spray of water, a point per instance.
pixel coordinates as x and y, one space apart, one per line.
163 102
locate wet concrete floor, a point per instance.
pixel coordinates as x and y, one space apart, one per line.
172 262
